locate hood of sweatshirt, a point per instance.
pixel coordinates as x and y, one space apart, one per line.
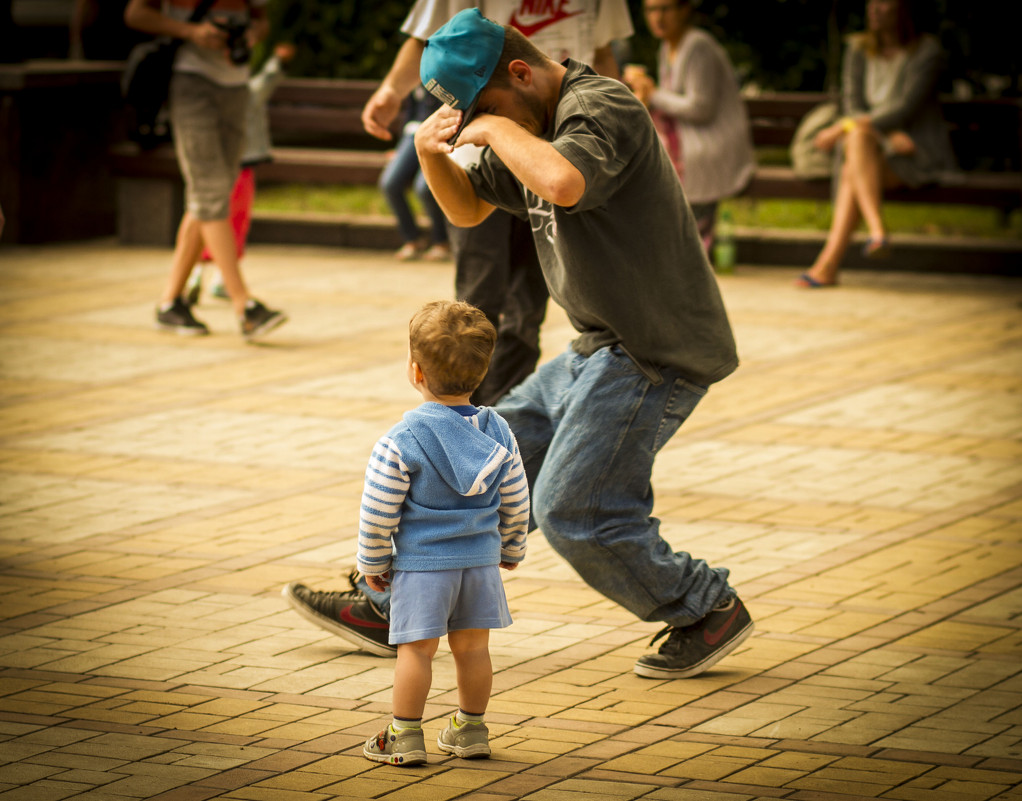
467 452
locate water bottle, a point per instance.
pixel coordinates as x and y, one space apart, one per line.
724 245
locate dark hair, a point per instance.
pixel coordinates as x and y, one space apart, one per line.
516 47
908 30
452 342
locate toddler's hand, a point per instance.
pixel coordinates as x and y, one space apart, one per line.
379 583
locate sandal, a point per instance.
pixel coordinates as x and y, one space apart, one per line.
806 281
877 248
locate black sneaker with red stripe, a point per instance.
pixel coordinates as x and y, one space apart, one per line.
690 650
348 614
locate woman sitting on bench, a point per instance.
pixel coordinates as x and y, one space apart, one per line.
892 132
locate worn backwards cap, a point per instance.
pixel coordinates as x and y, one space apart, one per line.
459 59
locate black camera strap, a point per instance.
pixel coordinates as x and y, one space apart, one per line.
200 10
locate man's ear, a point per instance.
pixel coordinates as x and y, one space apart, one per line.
520 72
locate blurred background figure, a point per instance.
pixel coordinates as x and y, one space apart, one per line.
698 111
401 174
891 133
208 102
257 151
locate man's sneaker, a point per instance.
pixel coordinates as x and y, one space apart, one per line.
219 290
691 650
467 740
179 318
349 615
404 747
259 320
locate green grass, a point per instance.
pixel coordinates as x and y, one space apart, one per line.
904 218
321 198
901 218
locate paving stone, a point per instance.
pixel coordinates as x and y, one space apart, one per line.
859 475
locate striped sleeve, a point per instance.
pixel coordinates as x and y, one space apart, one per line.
386 485
514 510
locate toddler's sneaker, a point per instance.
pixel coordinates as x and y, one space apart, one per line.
259 320
465 740
404 747
179 318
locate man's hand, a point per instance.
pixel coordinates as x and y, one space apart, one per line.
509 565
431 137
385 104
379 583
380 111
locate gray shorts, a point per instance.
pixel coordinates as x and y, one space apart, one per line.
208 124
427 605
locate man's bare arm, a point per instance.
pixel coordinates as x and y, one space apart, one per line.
385 104
605 63
533 161
447 180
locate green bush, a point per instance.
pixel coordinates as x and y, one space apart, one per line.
778 44
338 38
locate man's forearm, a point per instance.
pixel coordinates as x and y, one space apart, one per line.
403 75
453 191
535 162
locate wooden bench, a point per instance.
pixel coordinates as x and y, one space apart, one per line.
317 130
57 118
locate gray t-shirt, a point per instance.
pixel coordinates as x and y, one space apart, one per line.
626 262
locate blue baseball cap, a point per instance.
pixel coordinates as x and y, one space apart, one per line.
459 60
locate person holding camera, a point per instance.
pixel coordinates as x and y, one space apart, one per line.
208 101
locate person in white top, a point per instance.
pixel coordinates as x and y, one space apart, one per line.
697 109
496 268
208 99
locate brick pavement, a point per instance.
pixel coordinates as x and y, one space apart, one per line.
860 476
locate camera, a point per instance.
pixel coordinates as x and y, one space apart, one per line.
237 43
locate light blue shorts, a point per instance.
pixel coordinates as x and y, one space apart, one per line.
426 605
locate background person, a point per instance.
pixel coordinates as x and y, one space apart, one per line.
257 151
892 132
208 99
698 110
401 174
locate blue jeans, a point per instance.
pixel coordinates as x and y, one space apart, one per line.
589 429
401 173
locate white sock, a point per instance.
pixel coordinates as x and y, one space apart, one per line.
463 717
403 723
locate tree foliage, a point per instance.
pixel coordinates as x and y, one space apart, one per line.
797 44
339 38
777 44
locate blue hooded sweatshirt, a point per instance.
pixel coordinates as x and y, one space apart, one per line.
443 491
